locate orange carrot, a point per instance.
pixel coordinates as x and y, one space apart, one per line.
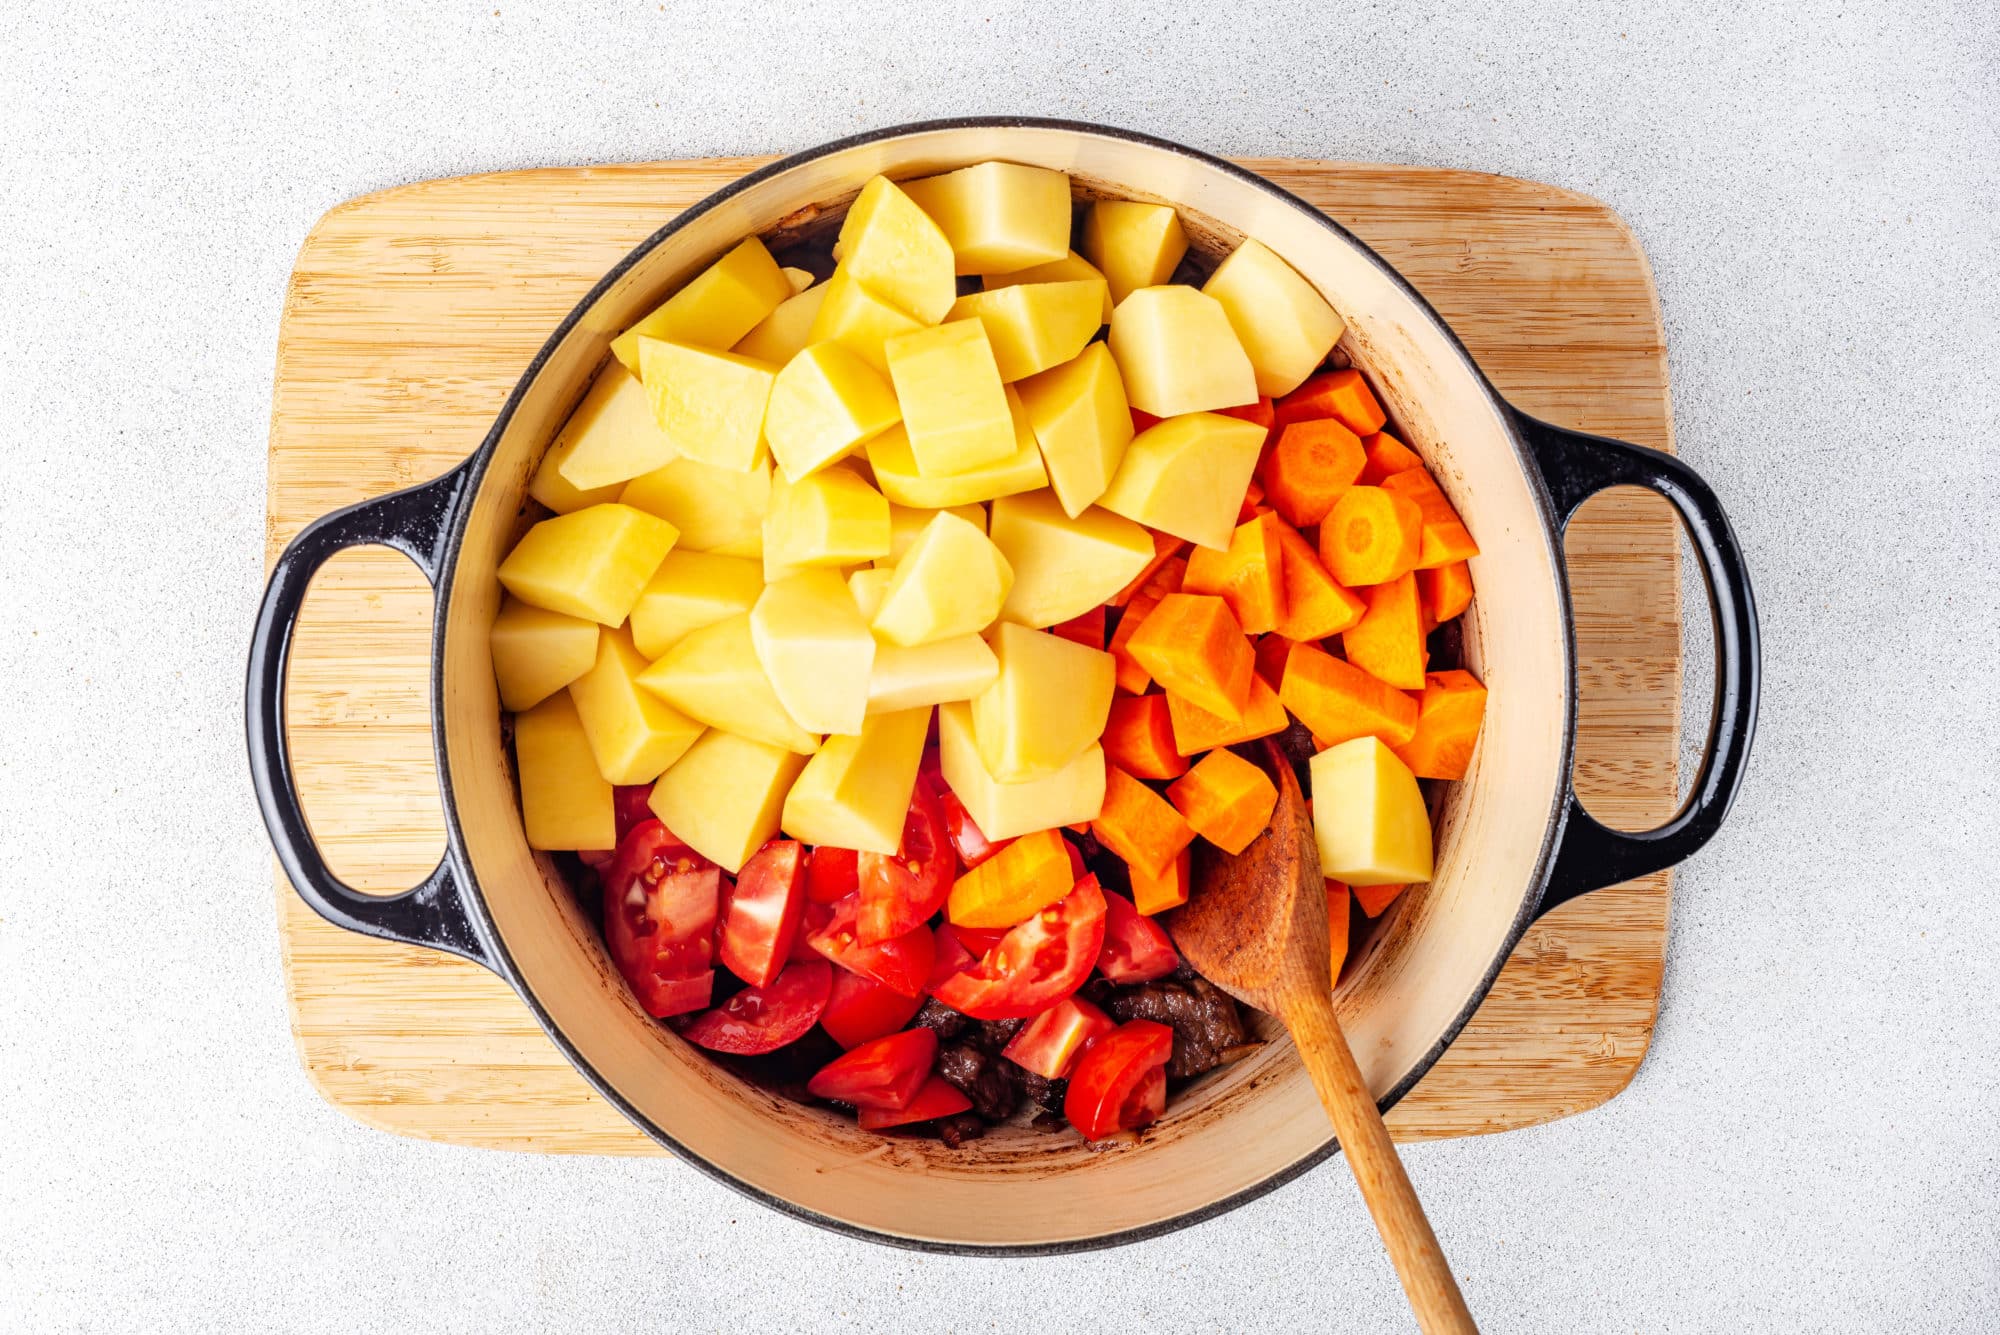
1253 501
1165 546
1271 652
1193 646
1196 730
1139 738
1226 799
1446 590
1014 884
1387 456
1138 824
1445 539
1388 641
1167 579
1337 914
1312 463
1087 630
1372 536
1340 702
1316 605
1248 574
1448 717
1374 898
1338 394
1157 894
1263 412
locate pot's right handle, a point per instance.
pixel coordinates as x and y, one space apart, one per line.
1588 853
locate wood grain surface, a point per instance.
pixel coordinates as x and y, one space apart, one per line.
408 318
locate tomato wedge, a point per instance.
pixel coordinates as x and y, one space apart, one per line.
830 875
884 1072
1050 1043
1120 1082
1136 949
858 1009
971 845
902 963
935 1099
660 904
760 916
1036 964
763 1019
950 956
629 805
901 893
979 940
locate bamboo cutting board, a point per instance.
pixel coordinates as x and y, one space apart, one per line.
408 318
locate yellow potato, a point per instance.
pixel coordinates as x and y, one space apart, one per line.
952 581
713 675
998 216
1071 796
785 332
954 405
1033 326
633 733
718 510
722 304
852 315
1285 325
710 404
552 489
896 469
725 795
905 524
831 518
1369 816
1082 422
1133 245
825 402
1063 567
591 563
1069 268
565 802
816 650
894 249
930 674
1178 354
800 279
537 652
691 590
1048 705
856 791
1187 475
612 435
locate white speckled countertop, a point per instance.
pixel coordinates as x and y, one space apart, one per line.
1812 1141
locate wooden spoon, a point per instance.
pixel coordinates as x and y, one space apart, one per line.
1255 926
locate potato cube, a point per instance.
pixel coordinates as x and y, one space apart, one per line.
1178 354
1187 475
785 332
930 674
800 279
856 791
816 650
713 675
1063 567
552 489
591 563
1048 704
716 309
1369 816
868 585
725 795
718 510
861 320
1133 245
537 652
1071 796
952 581
824 402
905 523
691 590
710 404
1034 326
831 518
894 249
998 216
1082 422
954 406
612 435
1072 267
633 733
565 802
1285 325
895 469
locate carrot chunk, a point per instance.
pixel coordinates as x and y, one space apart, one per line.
1316 605
1196 730
1445 538
1449 713
1014 884
1446 591
1338 913
1253 502
1167 579
1192 645
1338 394
1269 659
1263 412
1226 799
1138 824
1157 894
1387 456
1340 701
1087 630
1139 738
1372 536
1248 574
1388 641
1165 547
1312 463
1374 898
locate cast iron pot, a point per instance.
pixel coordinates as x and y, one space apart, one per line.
1513 840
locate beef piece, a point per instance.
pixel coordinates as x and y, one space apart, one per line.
958 1128
981 1077
1043 1091
934 1014
995 1035
1203 1017
1296 745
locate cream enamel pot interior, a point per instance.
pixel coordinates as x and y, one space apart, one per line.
1513 840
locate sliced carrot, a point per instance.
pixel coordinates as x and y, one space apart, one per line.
1249 574
1139 738
1269 659
1445 538
1372 536
1196 730
1387 456
1309 467
1087 629
1226 799
1157 894
1138 824
1374 898
1316 604
1165 547
1263 412
1167 579
1338 394
1193 646
1253 501
1340 701
1446 591
1338 913
1014 884
1449 712
1388 641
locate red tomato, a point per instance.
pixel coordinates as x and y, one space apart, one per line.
1049 1044
1077 871
629 804
858 1009
1136 949
936 1099
979 940
1112 1088
830 876
884 1072
1036 964
950 955
902 962
901 893
660 905
760 916
971 845
764 1019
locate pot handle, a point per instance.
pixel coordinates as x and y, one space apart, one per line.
1588 853
415 522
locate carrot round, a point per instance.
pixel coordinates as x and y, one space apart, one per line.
1388 641
1139 738
1372 536
1309 468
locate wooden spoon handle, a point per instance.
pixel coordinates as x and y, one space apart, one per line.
1399 1217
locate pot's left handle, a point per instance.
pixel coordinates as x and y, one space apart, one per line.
416 522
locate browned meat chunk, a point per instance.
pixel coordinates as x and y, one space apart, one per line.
959 1128
981 1077
1203 1017
936 1015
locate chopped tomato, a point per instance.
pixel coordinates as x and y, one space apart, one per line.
660 904
1050 1043
1077 869
951 955
902 892
629 804
1113 1086
1136 949
760 916
979 940
764 1019
902 962
935 1099
884 1072
967 840
831 875
858 1009
1036 964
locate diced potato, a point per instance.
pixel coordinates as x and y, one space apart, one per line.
716 309
1070 268
1369 816
896 469
824 402
831 518
952 581
565 802
856 791
1071 796
537 652
612 435
800 279
725 795
1063 567
999 216
868 585
1187 475
713 675
552 489
591 563
1034 326
1284 324
1133 245
1178 354
785 332
691 590
1047 706
633 733
905 523
954 406
1082 422
717 510
930 674
852 315
816 650
894 248
710 404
